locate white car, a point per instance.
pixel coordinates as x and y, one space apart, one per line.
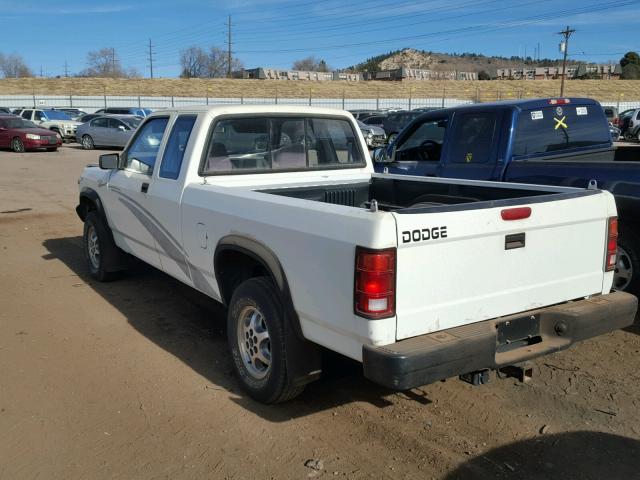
276 212
55 120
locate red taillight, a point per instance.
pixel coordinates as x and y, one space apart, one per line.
559 101
375 283
517 213
612 244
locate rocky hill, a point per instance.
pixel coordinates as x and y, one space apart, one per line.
422 59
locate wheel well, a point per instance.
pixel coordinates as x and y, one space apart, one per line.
234 267
86 205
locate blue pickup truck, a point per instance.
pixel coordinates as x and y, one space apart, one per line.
559 141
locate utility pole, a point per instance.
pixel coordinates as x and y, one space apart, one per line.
229 50
41 75
150 58
66 68
564 46
113 61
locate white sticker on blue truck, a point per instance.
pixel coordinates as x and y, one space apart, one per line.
537 115
581 110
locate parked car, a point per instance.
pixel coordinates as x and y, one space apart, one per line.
629 123
89 116
612 115
20 135
374 136
419 279
544 141
140 112
74 113
392 123
55 120
107 131
615 132
362 113
5 110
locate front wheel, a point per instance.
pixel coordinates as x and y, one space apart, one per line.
87 142
103 257
256 336
17 145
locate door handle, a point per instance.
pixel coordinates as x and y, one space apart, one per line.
144 187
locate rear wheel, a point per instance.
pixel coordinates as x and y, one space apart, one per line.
627 265
52 149
87 142
17 145
256 336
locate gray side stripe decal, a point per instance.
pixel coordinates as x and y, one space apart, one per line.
168 244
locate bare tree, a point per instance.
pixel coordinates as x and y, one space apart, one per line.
103 63
196 63
311 64
193 62
13 66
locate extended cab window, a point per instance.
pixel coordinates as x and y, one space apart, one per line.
474 134
142 153
285 143
176 145
553 129
423 143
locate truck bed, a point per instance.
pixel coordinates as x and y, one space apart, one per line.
396 193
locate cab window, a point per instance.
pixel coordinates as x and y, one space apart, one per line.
143 151
176 145
99 123
424 142
474 134
26 114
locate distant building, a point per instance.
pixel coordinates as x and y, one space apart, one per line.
262 73
400 74
605 72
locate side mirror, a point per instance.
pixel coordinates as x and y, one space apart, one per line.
122 128
381 155
109 161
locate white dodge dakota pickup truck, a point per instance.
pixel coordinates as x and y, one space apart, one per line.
276 212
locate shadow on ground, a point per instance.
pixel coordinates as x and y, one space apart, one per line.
191 327
574 455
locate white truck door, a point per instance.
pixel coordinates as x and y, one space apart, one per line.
129 209
165 195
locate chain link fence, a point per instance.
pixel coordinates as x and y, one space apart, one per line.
93 103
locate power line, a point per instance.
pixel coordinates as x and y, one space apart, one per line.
471 29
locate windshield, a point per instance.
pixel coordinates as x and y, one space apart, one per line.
57 115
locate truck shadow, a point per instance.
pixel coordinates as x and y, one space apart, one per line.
575 455
191 327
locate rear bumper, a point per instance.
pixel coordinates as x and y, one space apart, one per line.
478 346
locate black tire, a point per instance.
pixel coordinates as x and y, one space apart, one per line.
106 265
16 145
87 142
628 258
52 149
260 295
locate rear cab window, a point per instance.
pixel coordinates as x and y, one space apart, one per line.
557 128
261 144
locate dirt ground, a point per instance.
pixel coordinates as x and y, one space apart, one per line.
132 379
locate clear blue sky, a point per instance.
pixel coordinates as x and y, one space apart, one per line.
276 32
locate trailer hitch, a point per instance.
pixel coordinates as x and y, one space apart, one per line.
479 377
520 371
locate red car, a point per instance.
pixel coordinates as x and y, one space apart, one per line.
20 135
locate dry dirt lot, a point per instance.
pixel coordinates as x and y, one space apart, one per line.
132 379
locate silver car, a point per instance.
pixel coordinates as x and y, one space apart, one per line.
107 131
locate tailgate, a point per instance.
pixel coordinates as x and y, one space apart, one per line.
462 266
